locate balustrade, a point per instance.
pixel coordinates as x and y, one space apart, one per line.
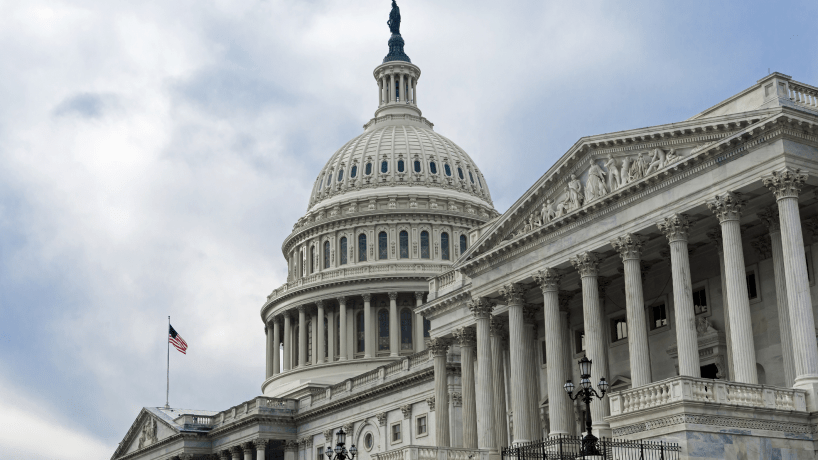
805 95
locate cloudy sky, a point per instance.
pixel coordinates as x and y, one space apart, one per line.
154 155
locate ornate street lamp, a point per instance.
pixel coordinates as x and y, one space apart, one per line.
341 451
586 394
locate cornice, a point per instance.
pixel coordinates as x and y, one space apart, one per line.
250 420
447 302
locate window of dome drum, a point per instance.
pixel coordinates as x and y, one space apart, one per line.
341 175
470 177
309 340
337 334
460 173
368 169
360 333
447 169
312 259
343 250
444 246
400 166
479 182
326 254
417 166
432 167
462 244
326 337
329 178
362 247
424 244
406 329
353 172
383 252
427 326
384 166
383 330
404 244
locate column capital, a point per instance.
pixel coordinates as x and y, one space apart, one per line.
349 428
224 454
587 263
367 297
513 293
565 298
419 295
481 307
393 295
786 182
186 457
629 246
291 446
675 227
236 450
466 337
769 217
248 446
407 411
763 246
714 235
341 300
302 309
328 436
430 401
727 206
812 227
319 303
496 328
260 443
438 346
381 418
548 279
456 398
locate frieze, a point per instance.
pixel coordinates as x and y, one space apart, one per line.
716 421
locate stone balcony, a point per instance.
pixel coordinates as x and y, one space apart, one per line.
413 452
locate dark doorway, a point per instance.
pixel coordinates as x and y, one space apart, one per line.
709 372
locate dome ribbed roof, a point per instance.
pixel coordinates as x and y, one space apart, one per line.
441 162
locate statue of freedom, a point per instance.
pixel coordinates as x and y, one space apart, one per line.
394 19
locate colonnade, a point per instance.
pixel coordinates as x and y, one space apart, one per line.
403 88
797 324
326 347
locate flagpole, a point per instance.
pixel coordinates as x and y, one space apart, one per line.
167 388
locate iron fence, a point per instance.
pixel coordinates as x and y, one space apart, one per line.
570 448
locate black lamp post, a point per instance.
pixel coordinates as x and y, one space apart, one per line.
341 451
586 394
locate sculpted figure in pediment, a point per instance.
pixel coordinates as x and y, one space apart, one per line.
671 157
624 171
613 172
148 435
638 168
547 214
574 193
595 185
657 161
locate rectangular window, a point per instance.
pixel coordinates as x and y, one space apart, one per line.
320 452
396 433
700 301
658 316
420 423
752 289
619 329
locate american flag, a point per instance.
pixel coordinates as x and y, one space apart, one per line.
176 340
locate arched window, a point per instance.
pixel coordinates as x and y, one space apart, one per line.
444 246
368 169
406 329
447 169
417 166
320 185
362 247
404 244
312 259
400 166
329 178
383 250
326 338
354 171
460 172
384 166
383 330
338 334
343 250
326 255
424 244
479 182
295 346
470 177
360 334
432 167
309 341
427 326
463 245
341 175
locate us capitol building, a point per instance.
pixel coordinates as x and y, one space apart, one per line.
678 258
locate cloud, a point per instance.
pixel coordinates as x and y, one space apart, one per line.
86 105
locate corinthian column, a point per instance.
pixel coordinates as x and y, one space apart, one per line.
302 335
269 334
786 184
466 339
261 446
342 333
520 401
438 348
565 298
498 382
486 437
728 208
367 326
629 248
555 336
587 264
319 353
394 333
676 229
770 218
276 345
288 342
532 370
714 234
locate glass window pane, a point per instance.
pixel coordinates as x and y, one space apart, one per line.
463 244
383 252
417 166
400 166
354 171
368 169
360 333
362 248
444 246
340 175
404 244
470 177
383 330
326 254
344 251
406 329
384 166
427 326
447 169
433 167
460 173
424 245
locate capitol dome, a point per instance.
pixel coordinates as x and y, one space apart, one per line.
392 208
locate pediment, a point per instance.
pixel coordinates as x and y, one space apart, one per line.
148 429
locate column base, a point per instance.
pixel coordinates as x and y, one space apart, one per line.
809 383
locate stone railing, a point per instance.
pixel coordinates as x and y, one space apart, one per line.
192 422
369 269
688 389
412 452
803 94
446 282
258 405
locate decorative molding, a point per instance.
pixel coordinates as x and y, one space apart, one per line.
466 337
513 293
675 227
785 183
629 246
727 206
713 420
430 401
481 308
587 263
456 398
438 346
381 418
548 279
407 411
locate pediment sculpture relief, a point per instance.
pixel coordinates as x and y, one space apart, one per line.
148 434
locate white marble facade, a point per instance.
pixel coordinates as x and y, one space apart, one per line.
679 258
